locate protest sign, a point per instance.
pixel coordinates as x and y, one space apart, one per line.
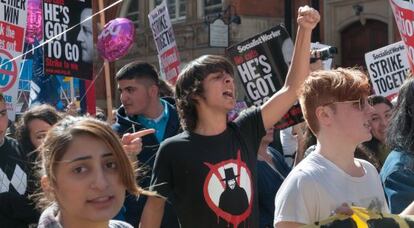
404 17
70 54
164 38
388 67
43 88
13 15
262 63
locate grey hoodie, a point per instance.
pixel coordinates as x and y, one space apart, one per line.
48 219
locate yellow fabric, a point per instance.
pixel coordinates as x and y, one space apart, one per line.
364 218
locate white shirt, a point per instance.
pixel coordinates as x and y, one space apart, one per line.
316 187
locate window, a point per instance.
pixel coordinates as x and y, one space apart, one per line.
130 10
212 7
176 8
133 12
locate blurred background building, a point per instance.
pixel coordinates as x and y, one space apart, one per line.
353 26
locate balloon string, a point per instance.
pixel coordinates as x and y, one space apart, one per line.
67 30
64 94
93 82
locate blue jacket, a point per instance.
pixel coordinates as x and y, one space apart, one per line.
146 157
397 176
268 183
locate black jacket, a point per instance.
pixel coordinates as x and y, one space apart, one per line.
16 210
146 160
150 143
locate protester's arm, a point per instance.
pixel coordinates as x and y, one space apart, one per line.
153 212
132 142
279 103
408 210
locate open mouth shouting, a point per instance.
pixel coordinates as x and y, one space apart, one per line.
228 94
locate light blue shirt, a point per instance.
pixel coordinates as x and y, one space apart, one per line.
159 124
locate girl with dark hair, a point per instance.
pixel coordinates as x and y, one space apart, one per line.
397 174
30 132
33 126
375 150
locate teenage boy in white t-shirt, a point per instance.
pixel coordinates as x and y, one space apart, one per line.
335 107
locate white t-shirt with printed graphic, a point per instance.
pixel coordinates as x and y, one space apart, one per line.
316 187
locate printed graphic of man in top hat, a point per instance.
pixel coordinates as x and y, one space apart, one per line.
232 193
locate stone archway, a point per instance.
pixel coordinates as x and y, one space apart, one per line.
358 39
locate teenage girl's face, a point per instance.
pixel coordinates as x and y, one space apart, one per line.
88 184
37 131
379 121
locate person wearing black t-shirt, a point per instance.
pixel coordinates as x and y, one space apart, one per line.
190 167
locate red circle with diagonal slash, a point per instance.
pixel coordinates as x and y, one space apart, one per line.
12 73
214 170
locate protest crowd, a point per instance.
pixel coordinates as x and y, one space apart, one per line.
185 153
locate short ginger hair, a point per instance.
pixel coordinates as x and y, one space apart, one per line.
328 86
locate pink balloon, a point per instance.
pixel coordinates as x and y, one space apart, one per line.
34 21
116 38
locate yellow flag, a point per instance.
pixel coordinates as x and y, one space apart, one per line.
364 218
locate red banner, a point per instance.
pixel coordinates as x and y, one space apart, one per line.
404 17
8 34
164 38
170 62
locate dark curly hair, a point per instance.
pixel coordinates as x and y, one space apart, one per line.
190 84
400 131
378 99
42 112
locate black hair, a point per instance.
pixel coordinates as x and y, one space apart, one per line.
400 131
138 70
189 85
43 112
378 99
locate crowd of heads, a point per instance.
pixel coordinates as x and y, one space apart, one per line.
83 158
323 88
